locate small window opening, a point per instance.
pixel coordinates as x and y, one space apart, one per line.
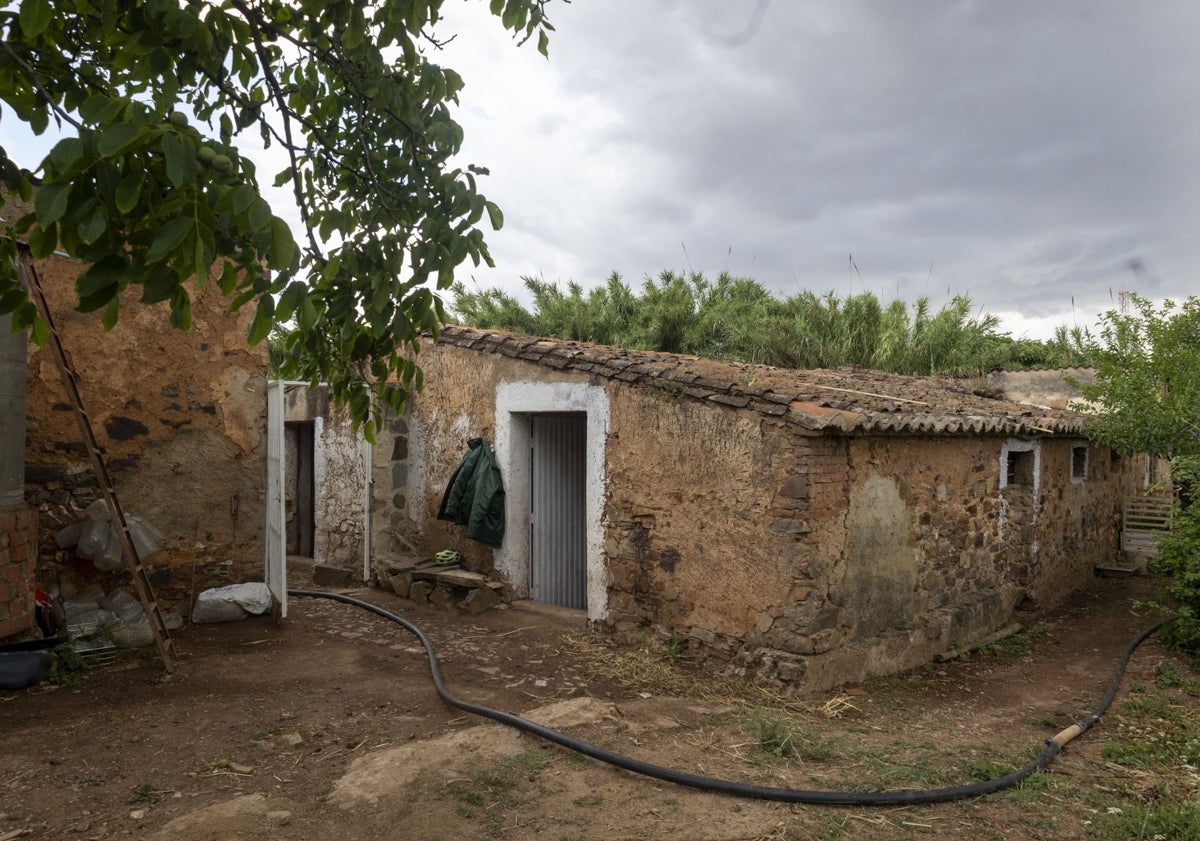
1079 461
1020 467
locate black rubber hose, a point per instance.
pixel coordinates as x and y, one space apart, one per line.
786 795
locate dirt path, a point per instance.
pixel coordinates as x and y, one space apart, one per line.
328 728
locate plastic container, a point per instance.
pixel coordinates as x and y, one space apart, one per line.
92 538
74 608
133 635
112 556
68 536
125 605
146 538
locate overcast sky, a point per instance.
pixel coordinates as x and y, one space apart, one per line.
1030 152
1036 156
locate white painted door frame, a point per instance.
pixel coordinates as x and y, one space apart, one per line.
515 403
275 570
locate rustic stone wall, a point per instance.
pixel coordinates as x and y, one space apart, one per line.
339 476
181 416
415 456
788 554
1041 388
341 490
18 560
394 533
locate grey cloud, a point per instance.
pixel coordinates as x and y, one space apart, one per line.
1029 150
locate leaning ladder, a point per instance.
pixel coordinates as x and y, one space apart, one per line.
70 378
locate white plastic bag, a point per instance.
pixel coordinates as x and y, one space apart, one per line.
232 602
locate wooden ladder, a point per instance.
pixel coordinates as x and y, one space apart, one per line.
70 378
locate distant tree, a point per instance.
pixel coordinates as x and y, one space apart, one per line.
1146 399
149 188
737 318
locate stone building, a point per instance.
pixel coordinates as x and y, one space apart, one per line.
325 485
803 526
181 417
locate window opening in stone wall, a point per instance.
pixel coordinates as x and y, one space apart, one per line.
1019 467
1079 461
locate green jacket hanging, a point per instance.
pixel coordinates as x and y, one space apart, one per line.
475 495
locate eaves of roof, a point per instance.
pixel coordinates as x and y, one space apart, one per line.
845 401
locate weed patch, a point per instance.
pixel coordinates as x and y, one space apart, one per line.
498 791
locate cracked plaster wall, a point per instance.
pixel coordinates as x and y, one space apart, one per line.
181 416
790 556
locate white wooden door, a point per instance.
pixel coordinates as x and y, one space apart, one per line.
276 562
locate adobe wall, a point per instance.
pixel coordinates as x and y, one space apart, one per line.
181 416
341 494
825 560
415 456
339 476
1042 388
782 554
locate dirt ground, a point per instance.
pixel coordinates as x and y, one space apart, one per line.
328 727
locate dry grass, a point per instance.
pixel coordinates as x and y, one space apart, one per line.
643 671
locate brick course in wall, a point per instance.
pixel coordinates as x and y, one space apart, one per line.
18 559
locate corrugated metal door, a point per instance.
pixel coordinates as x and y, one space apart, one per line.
276 562
557 537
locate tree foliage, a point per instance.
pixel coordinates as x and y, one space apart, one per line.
737 318
1146 399
149 187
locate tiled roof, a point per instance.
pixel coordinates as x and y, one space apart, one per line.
843 401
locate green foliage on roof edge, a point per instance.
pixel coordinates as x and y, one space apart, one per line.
736 318
148 187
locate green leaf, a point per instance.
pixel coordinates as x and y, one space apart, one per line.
35 17
111 310
51 202
291 298
39 331
129 191
160 286
243 196
94 226
100 283
264 320
170 236
117 138
43 240
180 162
260 214
283 246
495 216
228 280
65 153
181 309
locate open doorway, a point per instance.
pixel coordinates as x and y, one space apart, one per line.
299 487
